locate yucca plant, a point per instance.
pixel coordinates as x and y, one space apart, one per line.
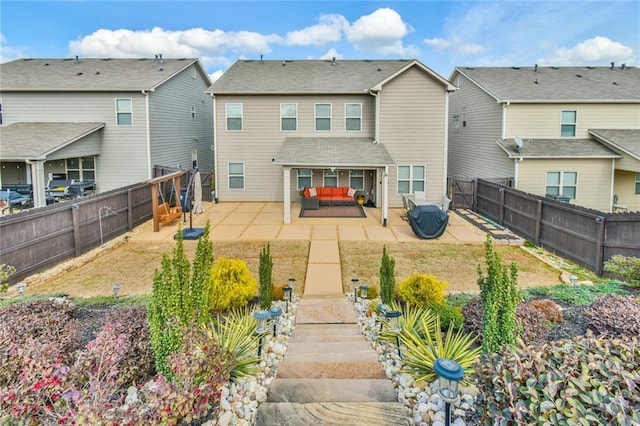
423 348
414 320
235 334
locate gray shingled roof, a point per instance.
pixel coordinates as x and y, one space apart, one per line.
625 139
557 148
329 151
32 141
307 76
89 74
559 84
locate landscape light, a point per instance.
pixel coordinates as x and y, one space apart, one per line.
449 374
21 288
261 326
275 312
116 290
355 282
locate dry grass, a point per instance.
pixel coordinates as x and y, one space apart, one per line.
455 263
132 264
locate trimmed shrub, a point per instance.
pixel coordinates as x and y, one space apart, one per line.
266 277
585 378
232 285
278 292
422 290
615 314
550 309
372 292
625 267
5 272
450 316
387 278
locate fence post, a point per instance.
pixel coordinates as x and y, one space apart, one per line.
129 210
601 220
75 217
538 223
474 185
501 212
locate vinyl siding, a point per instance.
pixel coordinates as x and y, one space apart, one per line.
473 152
594 179
85 147
543 120
260 139
173 131
412 128
628 163
625 188
123 155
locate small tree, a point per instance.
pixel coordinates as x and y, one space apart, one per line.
232 285
387 277
499 296
266 277
179 298
5 272
625 267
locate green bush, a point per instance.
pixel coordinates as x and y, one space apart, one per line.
5 272
577 294
450 316
387 278
266 277
625 267
585 380
372 293
232 285
499 296
422 290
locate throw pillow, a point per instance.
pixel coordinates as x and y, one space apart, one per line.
351 192
313 192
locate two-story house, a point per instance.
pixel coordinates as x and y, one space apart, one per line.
572 132
103 120
378 126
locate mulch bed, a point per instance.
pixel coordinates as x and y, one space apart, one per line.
334 211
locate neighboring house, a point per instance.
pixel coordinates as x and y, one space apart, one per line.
379 126
563 131
103 120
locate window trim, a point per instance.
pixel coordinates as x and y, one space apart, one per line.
412 179
283 117
244 176
637 184
194 114
316 117
118 113
574 124
81 169
457 121
227 116
561 185
328 173
347 117
361 176
310 177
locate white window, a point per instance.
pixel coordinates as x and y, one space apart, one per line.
562 184
353 117
236 175
193 112
637 183
411 179
323 116
234 116
81 168
568 126
457 122
288 116
304 178
330 178
356 179
124 112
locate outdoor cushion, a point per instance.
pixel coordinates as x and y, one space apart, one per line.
313 192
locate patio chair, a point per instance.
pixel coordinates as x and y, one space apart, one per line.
420 195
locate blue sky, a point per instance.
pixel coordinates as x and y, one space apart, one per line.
441 34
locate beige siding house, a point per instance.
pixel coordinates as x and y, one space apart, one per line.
572 132
106 121
379 126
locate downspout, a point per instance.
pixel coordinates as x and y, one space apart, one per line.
613 177
214 148
516 170
148 124
504 119
446 144
384 191
376 131
385 200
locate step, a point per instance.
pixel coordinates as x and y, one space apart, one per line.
331 390
332 354
325 311
330 347
332 413
330 370
310 331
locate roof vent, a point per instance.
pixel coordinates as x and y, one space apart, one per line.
578 75
515 68
262 59
97 71
77 60
333 61
283 63
535 68
555 68
80 73
613 64
623 66
379 69
536 82
615 83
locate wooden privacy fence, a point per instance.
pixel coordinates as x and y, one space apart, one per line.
587 237
41 238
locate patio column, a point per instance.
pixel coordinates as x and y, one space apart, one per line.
385 196
38 182
286 172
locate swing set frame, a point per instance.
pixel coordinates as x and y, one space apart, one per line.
164 213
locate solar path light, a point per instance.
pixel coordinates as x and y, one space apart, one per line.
449 374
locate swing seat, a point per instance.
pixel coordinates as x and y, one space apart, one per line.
168 214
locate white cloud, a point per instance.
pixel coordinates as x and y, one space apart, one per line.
210 46
8 53
594 51
380 32
215 75
332 53
454 44
329 30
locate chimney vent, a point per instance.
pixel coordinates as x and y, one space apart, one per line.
333 61
613 64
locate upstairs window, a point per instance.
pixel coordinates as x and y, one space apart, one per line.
353 117
568 126
234 116
193 112
124 112
289 117
411 179
304 178
562 184
356 179
236 175
323 116
457 122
